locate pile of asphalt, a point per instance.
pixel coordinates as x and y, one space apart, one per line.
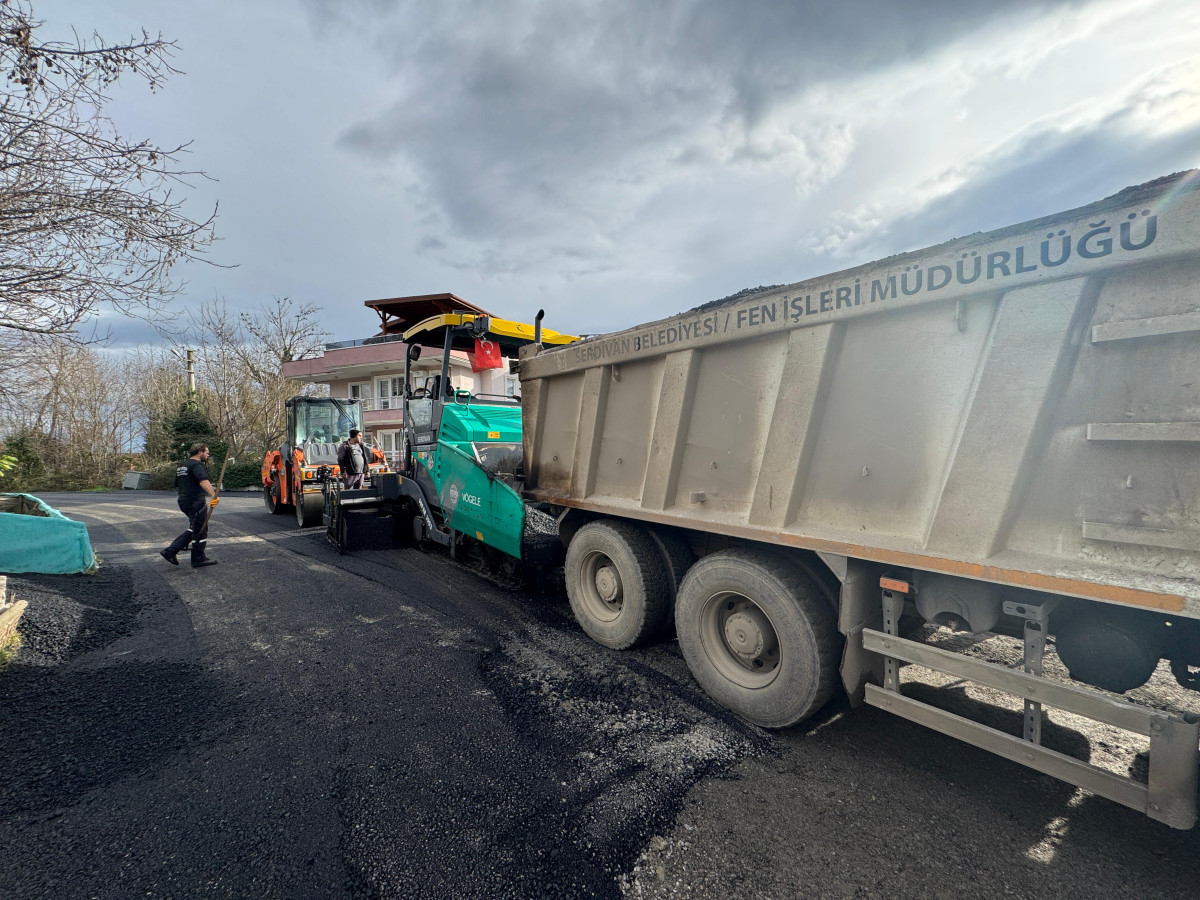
69 616
539 537
73 716
743 294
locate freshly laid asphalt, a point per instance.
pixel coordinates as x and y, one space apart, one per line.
294 723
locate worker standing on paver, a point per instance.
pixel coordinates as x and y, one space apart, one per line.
352 459
196 494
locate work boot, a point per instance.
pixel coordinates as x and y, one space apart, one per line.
204 562
169 556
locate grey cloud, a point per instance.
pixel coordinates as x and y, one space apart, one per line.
559 122
1042 173
118 332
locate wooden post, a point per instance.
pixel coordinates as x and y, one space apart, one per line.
220 481
9 619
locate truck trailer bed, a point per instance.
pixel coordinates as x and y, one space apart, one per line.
1020 407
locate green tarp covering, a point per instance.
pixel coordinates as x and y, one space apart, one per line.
36 537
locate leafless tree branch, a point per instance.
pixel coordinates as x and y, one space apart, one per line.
88 219
240 359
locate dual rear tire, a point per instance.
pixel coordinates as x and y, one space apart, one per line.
617 584
758 636
757 631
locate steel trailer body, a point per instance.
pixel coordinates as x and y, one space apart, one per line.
1006 421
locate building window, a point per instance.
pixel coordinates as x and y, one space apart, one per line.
511 385
388 392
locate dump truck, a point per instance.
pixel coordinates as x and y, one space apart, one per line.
293 474
1000 433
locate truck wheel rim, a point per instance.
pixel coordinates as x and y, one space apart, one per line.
600 584
740 639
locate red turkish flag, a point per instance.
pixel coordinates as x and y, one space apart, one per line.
486 356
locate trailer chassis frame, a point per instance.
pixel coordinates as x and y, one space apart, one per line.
1168 797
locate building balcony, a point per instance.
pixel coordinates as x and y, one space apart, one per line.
383 418
382 404
346 362
357 361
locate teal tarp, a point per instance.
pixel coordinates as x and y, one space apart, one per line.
36 537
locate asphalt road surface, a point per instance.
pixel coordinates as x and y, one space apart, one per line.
293 723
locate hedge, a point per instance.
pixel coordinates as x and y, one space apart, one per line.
242 475
237 476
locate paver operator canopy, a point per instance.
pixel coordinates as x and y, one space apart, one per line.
461 331
464 449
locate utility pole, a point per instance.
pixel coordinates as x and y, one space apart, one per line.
191 374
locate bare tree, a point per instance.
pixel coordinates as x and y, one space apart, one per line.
240 360
20 353
284 332
87 413
88 219
158 390
91 427
76 413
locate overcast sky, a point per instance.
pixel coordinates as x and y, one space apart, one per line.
619 161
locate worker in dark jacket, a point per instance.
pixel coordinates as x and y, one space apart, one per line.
352 459
196 495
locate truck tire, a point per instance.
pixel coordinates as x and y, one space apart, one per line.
616 583
678 557
758 636
309 508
